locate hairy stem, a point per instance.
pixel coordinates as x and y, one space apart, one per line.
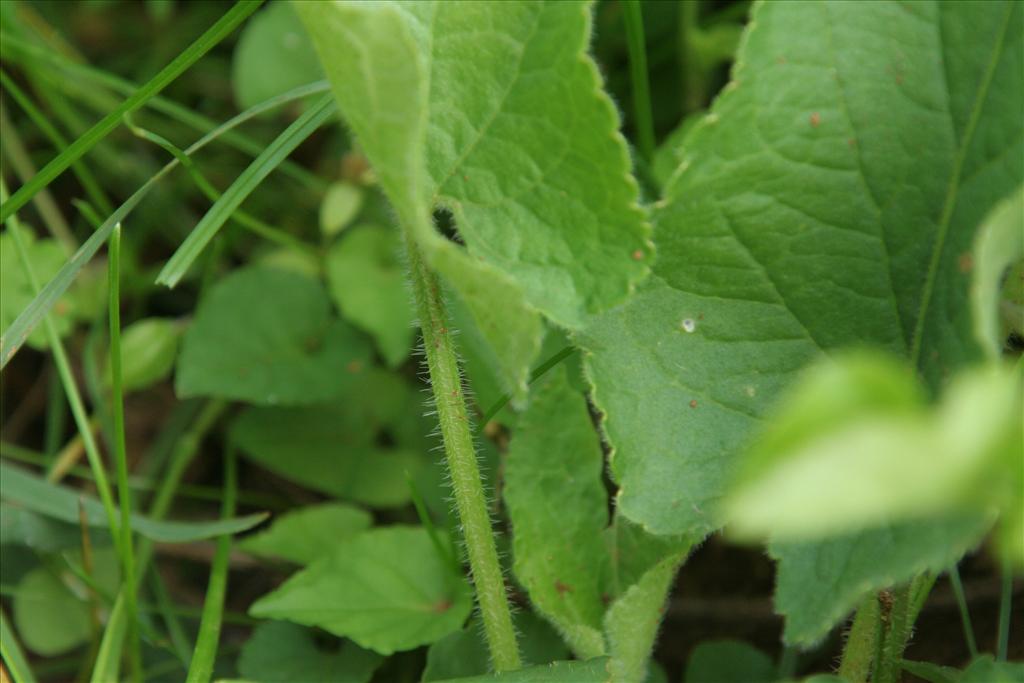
861 642
895 633
462 465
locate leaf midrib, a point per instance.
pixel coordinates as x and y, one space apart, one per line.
952 189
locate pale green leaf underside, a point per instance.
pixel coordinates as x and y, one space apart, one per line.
494 111
820 582
367 281
826 201
386 589
631 623
555 455
1000 243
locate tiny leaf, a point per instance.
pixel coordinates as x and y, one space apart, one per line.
386 589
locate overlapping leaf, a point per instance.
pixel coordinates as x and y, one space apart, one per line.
267 336
386 589
762 267
540 194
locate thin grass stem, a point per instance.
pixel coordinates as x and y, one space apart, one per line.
965 614
18 332
89 183
201 668
225 25
1005 608
11 653
633 18
67 378
247 181
28 53
536 374
126 546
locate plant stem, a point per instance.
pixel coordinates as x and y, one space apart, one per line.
67 378
1005 605
201 668
462 465
537 373
965 614
895 634
633 16
126 546
862 642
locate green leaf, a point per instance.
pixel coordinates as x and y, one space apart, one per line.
309 533
552 219
933 673
386 589
52 613
267 336
729 661
1000 244
16 291
329 448
559 550
272 56
279 652
58 502
760 269
149 348
986 670
820 582
631 623
49 618
590 671
465 653
367 281
340 206
855 446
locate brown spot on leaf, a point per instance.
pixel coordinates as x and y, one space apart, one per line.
442 606
815 119
851 142
638 255
965 262
354 366
562 588
693 403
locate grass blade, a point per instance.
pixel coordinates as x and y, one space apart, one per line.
85 177
201 668
18 332
250 178
32 56
633 16
126 547
35 494
201 46
13 657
